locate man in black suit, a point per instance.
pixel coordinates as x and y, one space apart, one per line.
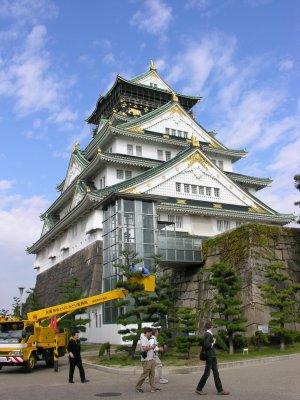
75 357
211 362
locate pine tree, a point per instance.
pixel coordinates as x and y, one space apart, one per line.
161 309
71 291
187 327
136 302
228 305
32 302
278 294
16 307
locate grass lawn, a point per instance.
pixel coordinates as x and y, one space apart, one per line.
171 358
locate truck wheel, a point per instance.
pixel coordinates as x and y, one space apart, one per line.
31 363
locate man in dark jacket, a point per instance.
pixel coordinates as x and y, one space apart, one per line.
75 357
211 362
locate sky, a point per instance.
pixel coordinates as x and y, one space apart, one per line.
58 56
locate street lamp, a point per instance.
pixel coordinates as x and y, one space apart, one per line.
21 290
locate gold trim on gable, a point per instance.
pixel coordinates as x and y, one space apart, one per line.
176 110
180 201
257 209
196 157
166 136
132 190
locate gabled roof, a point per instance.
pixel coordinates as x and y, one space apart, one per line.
133 183
137 122
93 118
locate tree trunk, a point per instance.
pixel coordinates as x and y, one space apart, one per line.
282 343
230 344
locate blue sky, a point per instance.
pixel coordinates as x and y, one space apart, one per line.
57 57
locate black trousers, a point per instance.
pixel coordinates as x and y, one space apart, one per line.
211 364
76 362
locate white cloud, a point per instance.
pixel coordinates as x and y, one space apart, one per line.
6 184
28 76
109 58
203 62
27 10
19 228
286 65
154 18
86 60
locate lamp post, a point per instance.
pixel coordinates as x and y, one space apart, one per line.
21 290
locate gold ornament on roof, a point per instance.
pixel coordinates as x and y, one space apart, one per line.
180 201
152 66
195 142
99 150
174 97
88 189
75 148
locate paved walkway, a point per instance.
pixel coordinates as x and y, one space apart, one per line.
272 380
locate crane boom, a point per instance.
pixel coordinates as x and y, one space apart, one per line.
68 308
46 313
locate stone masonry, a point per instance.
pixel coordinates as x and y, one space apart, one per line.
86 265
248 248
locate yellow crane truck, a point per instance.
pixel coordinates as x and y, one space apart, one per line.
24 342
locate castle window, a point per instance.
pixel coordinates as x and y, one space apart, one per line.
208 191
138 151
173 132
223 225
201 190
194 189
186 188
221 164
168 155
167 131
178 187
120 174
160 154
179 221
217 192
185 135
128 175
130 149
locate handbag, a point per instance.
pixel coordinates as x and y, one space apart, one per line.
203 355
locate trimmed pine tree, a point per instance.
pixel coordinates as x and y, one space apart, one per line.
228 308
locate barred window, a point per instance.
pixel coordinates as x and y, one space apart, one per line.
194 189
208 191
130 149
178 187
201 190
138 151
186 188
217 192
168 155
120 174
128 175
160 154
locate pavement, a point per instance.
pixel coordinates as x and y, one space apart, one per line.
267 379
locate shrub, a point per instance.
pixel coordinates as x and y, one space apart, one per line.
105 347
240 341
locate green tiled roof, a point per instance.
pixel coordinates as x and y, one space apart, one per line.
249 179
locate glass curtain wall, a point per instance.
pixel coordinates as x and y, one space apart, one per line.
127 224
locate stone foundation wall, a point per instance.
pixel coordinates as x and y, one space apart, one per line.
86 265
249 249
